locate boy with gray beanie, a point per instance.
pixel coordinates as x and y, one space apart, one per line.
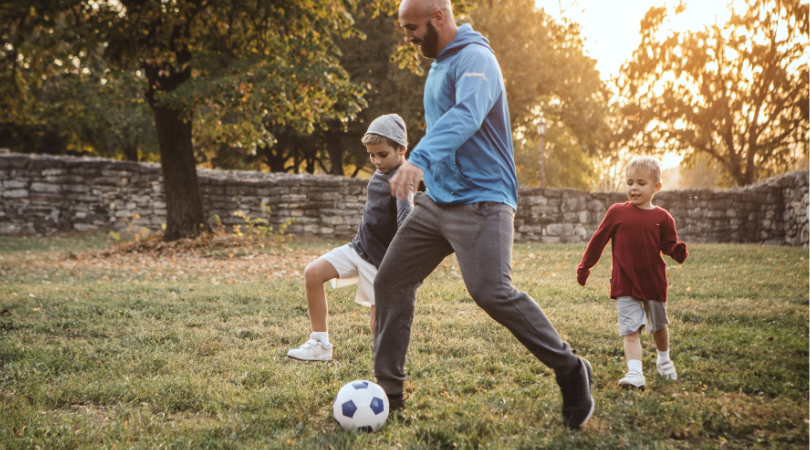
357 262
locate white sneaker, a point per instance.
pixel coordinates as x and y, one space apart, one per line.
667 370
633 379
312 350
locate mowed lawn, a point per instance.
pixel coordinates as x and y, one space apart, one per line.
189 351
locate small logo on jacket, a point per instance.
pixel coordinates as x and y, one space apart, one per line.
476 74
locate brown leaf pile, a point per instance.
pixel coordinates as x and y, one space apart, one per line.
202 245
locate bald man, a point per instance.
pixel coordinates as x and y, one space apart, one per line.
467 162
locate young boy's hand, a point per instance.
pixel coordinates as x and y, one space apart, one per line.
582 275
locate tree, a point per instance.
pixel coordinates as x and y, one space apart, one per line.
70 109
227 67
547 74
737 92
336 146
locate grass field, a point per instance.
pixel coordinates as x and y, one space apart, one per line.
185 351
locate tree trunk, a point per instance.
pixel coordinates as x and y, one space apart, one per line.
335 155
185 216
130 152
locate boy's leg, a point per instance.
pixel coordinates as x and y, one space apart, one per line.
317 348
632 346
664 366
657 316
661 338
632 354
416 250
315 275
631 315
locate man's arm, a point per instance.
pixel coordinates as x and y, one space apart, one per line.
403 181
477 88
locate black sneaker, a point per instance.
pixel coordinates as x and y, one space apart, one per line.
396 402
578 405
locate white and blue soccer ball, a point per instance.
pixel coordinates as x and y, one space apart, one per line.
361 405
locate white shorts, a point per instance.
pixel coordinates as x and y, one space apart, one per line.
632 312
351 269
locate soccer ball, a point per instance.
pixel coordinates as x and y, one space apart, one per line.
361 405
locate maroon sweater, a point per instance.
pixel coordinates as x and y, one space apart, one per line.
638 236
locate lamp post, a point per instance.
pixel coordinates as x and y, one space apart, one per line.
541 131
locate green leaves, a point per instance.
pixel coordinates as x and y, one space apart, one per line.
547 74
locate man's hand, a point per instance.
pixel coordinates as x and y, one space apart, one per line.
406 178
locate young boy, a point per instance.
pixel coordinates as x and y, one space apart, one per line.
640 232
357 262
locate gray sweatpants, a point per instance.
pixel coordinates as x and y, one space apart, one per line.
481 236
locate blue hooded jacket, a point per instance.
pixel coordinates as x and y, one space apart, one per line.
467 154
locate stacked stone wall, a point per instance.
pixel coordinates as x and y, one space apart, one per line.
41 195
774 211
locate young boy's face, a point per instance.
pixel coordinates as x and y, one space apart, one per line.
641 187
385 157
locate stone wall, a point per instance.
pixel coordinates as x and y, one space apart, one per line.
774 211
41 195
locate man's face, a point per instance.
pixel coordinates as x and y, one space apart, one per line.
419 30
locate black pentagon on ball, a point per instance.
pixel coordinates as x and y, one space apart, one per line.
349 409
367 429
360 385
377 405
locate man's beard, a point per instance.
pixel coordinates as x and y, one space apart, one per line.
429 45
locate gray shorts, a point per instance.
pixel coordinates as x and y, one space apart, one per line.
632 312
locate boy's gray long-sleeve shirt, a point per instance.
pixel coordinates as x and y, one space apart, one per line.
382 215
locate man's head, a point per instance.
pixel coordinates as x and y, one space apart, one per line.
428 24
386 142
643 180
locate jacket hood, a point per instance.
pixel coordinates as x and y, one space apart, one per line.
465 36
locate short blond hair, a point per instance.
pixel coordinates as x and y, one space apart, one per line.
647 163
371 138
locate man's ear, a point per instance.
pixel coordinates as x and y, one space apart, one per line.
438 15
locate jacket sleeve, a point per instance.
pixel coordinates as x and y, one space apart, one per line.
404 207
670 245
477 88
596 246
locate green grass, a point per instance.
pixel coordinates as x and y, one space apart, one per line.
131 351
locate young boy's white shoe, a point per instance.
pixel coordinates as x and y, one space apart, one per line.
312 350
667 370
633 379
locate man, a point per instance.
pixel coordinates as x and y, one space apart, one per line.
467 163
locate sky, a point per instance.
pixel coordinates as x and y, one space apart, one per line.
611 29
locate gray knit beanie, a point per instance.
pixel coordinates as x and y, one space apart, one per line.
391 126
